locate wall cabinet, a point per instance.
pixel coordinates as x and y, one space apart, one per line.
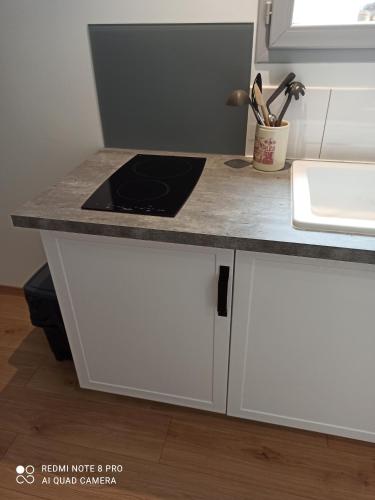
142 320
303 344
141 317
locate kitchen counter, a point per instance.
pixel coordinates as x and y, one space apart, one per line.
234 208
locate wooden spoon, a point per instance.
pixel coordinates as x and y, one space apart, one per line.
261 103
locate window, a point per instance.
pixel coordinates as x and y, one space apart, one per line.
315 24
332 12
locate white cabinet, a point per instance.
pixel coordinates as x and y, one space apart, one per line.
142 318
303 344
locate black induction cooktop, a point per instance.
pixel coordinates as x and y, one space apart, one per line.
149 185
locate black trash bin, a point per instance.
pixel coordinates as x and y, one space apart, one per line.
45 312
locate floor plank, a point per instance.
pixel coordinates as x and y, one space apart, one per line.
61 379
36 341
140 479
11 290
13 331
17 367
256 459
134 431
6 439
13 306
9 494
204 419
358 448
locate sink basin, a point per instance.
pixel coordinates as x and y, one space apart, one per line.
334 196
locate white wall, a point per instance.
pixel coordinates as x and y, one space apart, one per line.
49 119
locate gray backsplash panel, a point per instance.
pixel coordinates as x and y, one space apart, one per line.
164 86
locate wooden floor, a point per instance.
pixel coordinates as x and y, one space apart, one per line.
167 452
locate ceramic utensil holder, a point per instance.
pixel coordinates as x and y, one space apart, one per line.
270 147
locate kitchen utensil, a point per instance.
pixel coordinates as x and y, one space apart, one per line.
257 114
294 89
283 85
272 119
240 97
257 81
261 103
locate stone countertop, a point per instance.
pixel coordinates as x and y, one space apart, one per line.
236 208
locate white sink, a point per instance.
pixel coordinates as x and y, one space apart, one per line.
334 196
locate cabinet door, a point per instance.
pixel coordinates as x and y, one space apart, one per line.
142 318
303 344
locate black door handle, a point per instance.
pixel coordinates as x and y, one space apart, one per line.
222 291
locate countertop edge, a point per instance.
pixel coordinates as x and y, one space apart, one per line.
198 239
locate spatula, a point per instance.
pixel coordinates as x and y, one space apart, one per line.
283 85
258 81
294 89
